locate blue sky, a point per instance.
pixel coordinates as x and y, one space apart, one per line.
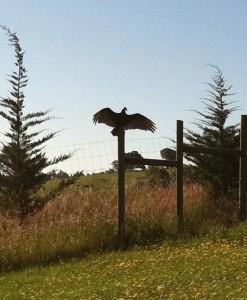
149 56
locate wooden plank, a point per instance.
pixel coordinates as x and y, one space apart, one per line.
179 158
121 188
219 151
243 169
150 162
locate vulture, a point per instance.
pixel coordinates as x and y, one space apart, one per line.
122 120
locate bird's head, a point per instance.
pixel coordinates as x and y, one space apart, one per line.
124 110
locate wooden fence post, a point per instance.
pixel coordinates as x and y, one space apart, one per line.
121 188
243 168
179 158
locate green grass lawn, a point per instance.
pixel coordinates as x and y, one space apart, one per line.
198 269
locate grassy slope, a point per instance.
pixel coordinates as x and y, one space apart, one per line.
102 181
107 181
199 269
213 268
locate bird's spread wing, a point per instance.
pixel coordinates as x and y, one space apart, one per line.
138 121
106 116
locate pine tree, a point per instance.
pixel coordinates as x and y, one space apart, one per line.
22 156
218 172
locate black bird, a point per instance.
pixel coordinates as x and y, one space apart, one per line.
122 120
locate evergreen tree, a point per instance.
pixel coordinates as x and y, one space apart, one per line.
219 172
134 154
168 154
22 156
129 167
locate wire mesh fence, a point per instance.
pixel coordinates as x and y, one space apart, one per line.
95 157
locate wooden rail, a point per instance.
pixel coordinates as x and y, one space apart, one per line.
215 151
150 162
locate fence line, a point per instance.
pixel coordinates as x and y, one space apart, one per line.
178 163
95 157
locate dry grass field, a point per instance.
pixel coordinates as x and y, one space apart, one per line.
83 220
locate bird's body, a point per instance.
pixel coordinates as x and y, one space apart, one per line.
122 120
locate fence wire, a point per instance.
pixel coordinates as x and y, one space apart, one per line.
96 157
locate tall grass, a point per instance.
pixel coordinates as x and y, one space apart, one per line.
82 221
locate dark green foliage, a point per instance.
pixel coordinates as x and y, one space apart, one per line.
78 174
168 154
22 158
128 167
219 172
114 165
134 154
